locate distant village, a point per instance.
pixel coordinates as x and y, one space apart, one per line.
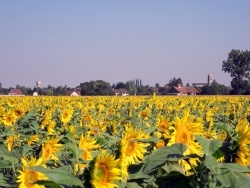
135 87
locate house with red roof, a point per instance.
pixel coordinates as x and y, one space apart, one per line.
17 92
73 92
121 91
179 90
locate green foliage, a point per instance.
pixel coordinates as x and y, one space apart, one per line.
174 82
238 65
58 177
214 89
209 146
98 87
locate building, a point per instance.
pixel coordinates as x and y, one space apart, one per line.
73 92
122 92
179 90
16 92
210 79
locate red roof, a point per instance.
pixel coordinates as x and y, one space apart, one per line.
15 92
185 90
120 91
69 92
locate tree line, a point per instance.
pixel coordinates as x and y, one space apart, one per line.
237 65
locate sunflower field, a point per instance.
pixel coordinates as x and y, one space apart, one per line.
132 141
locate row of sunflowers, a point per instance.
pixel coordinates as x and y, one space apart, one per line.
133 141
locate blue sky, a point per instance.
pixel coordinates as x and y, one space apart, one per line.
71 42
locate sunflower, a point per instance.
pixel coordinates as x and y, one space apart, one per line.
50 148
185 129
33 139
96 127
132 151
209 117
12 141
105 171
87 144
163 128
243 153
9 118
210 134
2 111
66 115
47 118
27 178
159 144
11 102
144 114
19 111
50 126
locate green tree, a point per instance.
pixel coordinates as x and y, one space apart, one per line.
238 65
175 82
120 85
157 85
214 89
98 87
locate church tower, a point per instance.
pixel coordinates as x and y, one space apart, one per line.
210 79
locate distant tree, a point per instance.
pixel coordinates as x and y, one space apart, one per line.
145 90
238 65
214 89
130 86
175 82
163 91
1 89
187 85
157 85
120 85
98 87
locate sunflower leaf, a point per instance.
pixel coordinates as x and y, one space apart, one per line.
235 167
146 140
158 157
209 146
58 176
13 160
3 181
48 183
74 149
229 178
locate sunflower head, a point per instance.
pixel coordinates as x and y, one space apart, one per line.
50 148
27 177
104 171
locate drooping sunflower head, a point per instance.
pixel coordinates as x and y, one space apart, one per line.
50 148
12 141
105 171
87 144
243 144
